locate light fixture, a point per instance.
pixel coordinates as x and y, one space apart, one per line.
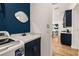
21 16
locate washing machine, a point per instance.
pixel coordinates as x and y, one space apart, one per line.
10 46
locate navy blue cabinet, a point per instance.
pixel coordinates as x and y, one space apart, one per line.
66 39
33 48
67 18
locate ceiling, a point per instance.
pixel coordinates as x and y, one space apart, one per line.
64 6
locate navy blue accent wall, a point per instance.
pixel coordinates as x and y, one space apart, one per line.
2 27
10 23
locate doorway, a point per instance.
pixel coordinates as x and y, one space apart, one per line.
62 36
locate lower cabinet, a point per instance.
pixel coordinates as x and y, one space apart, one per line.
66 39
33 48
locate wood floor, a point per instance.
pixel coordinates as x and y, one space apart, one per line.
62 50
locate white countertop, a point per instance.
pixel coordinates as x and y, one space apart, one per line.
29 37
66 33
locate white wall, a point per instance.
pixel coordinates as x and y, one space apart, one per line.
75 27
41 15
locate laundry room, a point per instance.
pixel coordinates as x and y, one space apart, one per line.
24 29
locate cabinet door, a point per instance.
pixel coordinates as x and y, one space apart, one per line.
33 48
68 18
66 39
